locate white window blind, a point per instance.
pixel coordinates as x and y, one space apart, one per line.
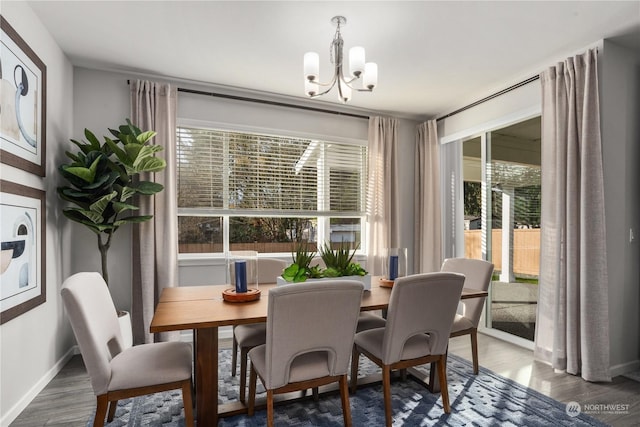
244 173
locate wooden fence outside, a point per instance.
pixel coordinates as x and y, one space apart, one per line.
526 249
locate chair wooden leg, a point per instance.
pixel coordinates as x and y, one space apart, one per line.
386 386
113 405
234 353
403 374
344 396
101 410
316 395
442 377
243 373
474 350
187 402
269 408
355 359
253 379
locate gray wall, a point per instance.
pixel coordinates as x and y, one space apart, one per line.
35 345
619 74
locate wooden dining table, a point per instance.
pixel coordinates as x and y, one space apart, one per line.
203 310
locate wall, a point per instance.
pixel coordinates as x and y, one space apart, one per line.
36 344
619 75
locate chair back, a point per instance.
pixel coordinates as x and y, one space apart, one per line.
269 269
311 317
95 325
421 304
477 274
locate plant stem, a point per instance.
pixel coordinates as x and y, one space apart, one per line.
104 248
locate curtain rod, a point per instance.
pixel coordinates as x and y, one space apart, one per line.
502 92
264 101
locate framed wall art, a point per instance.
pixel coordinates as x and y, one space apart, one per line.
23 241
23 90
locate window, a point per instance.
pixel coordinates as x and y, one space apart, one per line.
248 191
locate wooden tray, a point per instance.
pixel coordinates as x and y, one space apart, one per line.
386 283
231 295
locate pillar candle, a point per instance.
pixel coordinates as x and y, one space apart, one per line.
393 267
241 276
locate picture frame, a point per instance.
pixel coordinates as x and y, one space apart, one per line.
23 103
23 255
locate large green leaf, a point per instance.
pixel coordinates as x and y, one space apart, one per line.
101 204
119 207
145 136
86 174
132 150
70 195
120 153
100 180
72 156
94 217
132 219
93 141
126 193
148 187
151 164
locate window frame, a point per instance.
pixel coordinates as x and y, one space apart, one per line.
225 214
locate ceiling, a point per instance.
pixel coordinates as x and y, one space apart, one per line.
433 57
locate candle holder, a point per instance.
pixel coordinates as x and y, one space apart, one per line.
242 274
395 265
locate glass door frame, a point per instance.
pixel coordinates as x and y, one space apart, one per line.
457 247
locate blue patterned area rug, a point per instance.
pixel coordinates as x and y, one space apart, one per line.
483 400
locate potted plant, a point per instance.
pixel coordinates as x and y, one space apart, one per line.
339 263
103 179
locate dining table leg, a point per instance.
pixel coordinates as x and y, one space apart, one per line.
207 376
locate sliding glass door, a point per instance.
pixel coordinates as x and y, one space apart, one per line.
501 199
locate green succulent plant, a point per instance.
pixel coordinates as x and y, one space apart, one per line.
338 264
339 261
103 178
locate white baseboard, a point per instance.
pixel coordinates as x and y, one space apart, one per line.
20 406
625 368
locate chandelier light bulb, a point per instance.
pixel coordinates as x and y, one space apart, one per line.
311 66
370 75
356 61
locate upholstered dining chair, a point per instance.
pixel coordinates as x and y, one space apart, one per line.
117 373
419 318
478 276
310 330
245 337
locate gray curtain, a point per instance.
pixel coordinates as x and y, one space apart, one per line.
155 242
572 330
427 207
382 192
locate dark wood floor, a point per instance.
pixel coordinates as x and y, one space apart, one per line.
68 399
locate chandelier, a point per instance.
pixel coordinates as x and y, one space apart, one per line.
367 73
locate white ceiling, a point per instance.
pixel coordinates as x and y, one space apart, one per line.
433 57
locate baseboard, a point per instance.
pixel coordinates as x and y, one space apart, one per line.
625 368
21 405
